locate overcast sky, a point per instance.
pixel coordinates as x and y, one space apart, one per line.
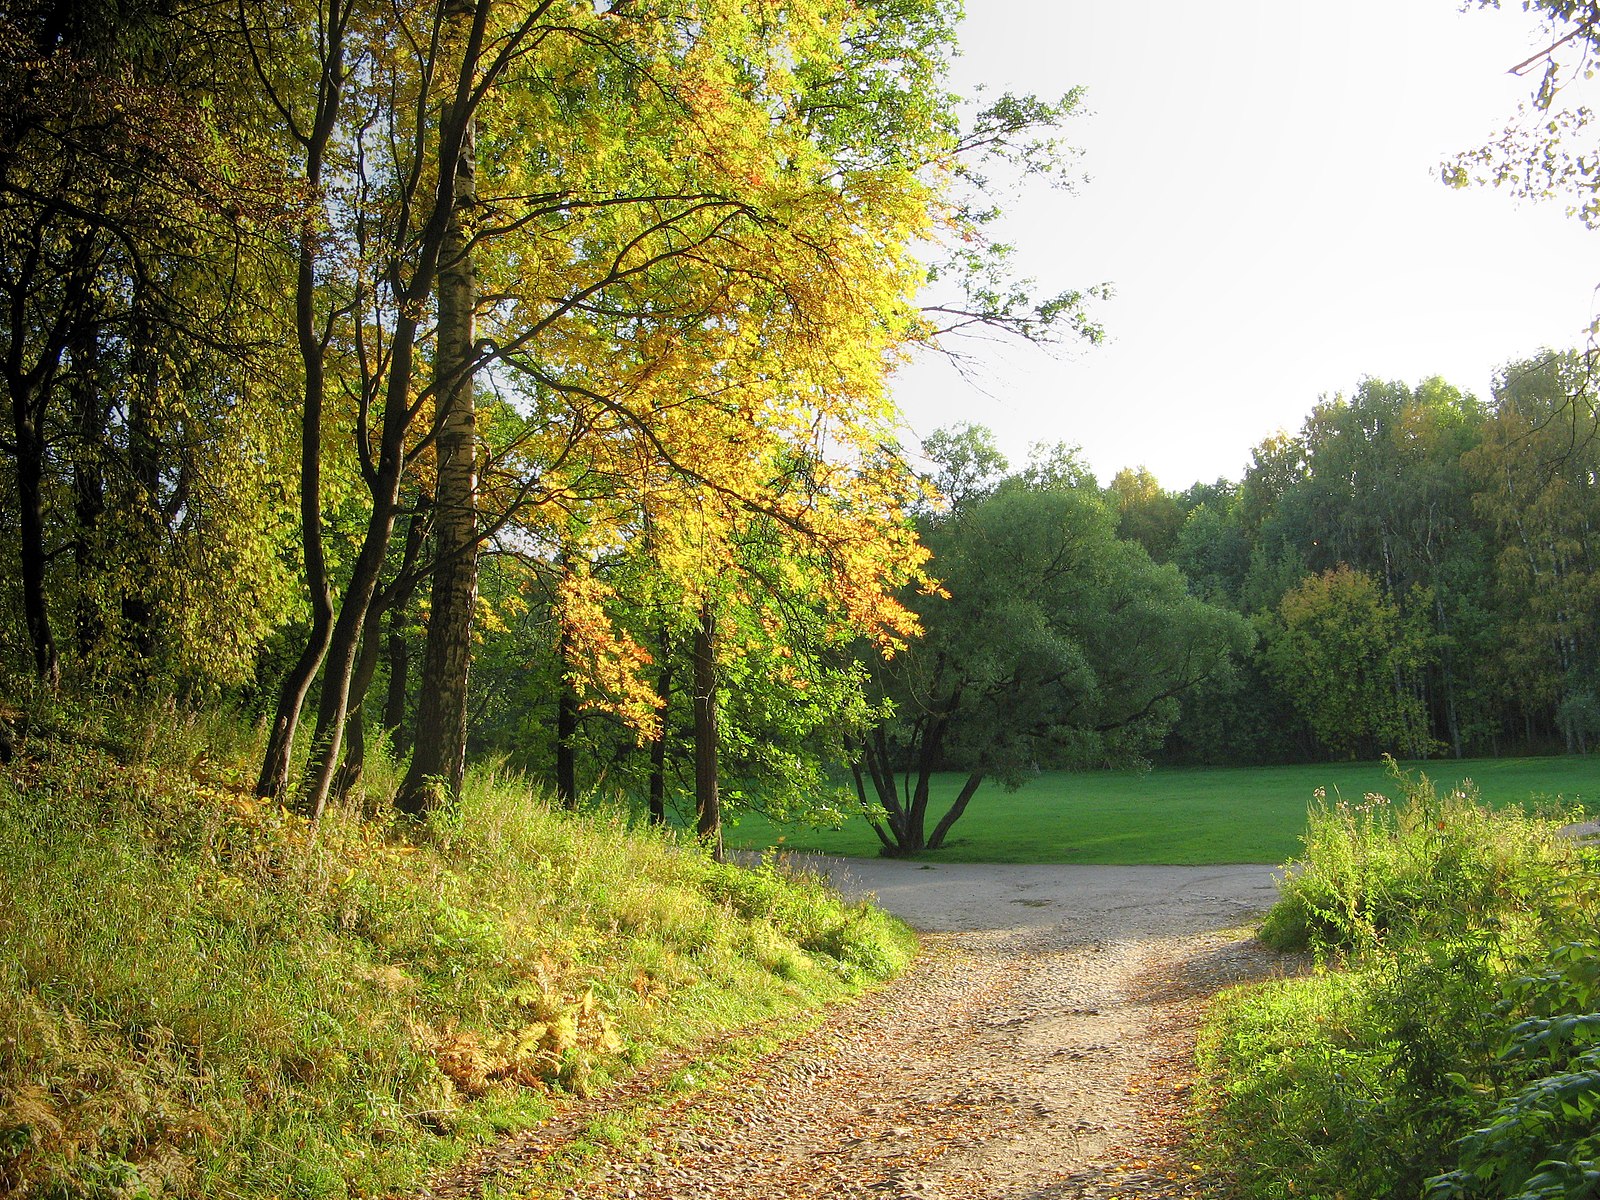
1265 198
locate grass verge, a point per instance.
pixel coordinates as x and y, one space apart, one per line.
1448 1043
202 996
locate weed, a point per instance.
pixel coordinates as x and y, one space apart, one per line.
1430 866
1412 1065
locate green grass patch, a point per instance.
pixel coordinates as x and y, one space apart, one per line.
200 995
1182 815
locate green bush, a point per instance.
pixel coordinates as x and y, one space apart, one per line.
1430 866
1434 1056
1347 1083
1541 1141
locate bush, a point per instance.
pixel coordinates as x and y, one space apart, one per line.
1541 1141
1430 866
1437 1056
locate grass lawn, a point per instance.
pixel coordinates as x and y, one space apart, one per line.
1192 815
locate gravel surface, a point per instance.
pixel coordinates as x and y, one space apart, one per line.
1039 1048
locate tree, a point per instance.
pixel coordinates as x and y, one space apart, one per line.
1212 550
1537 489
1386 493
440 755
767 235
1146 513
1545 151
1058 644
1548 151
543 275
138 207
1350 661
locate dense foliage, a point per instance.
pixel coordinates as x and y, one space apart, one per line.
510 374
345 343
1453 1051
1058 644
1421 567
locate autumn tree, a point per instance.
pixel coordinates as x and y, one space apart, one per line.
1351 662
792 275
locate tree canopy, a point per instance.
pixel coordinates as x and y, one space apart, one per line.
1052 642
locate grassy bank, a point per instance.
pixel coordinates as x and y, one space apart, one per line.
1448 1044
203 996
1190 815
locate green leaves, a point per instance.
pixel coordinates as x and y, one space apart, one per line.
1058 643
1349 659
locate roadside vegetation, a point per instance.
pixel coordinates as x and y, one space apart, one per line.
203 994
1447 1044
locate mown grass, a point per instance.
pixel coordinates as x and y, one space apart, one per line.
203 996
1449 1042
1189 815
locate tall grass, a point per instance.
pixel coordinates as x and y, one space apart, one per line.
201 995
1369 1078
1429 865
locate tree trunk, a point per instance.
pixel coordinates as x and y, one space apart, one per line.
566 732
441 743
398 647
865 754
144 471
915 839
399 591
344 643
355 731
384 482
708 809
92 416
658 746
273 782
968 790
31 551
394 700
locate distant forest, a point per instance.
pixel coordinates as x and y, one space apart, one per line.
1421 568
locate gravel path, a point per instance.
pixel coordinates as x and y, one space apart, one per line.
1039 1048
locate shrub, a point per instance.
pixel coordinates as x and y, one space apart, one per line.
1430 866
1541 1141
1435 1056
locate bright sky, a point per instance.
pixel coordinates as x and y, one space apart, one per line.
1264 195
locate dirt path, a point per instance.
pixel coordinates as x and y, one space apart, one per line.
1039 1049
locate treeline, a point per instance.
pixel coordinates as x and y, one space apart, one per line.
513 366
511 374
1414 573
1421 567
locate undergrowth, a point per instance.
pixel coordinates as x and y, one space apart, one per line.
201 995
1447 1043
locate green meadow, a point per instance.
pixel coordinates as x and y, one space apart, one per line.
1185 815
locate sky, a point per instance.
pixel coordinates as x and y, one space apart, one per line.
1264 197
